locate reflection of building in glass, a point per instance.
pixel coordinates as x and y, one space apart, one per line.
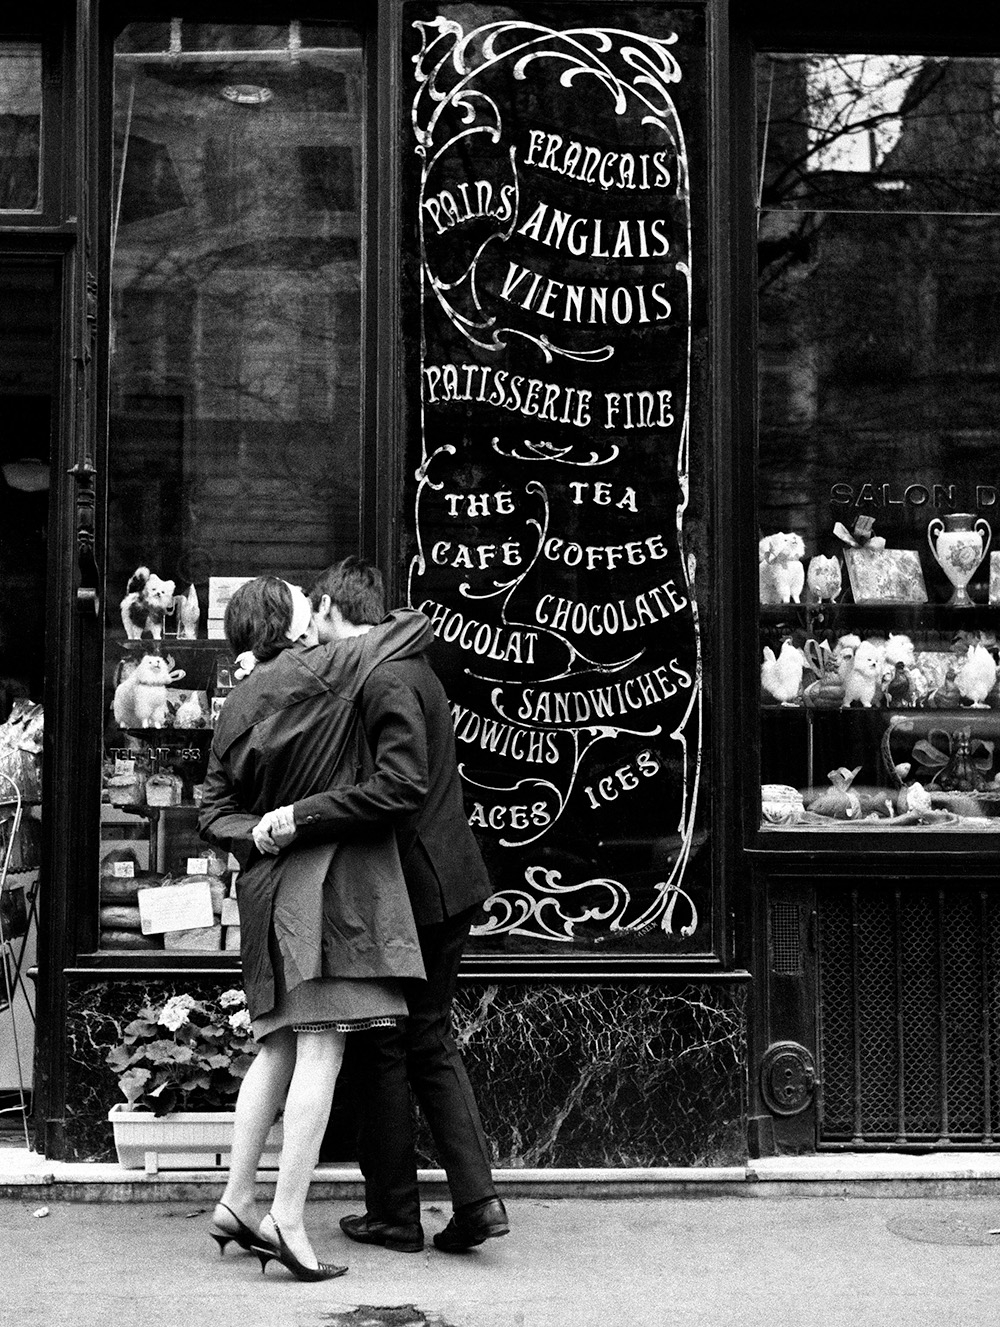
878 305
236 300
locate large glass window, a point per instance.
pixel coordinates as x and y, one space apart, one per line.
235 410
879 375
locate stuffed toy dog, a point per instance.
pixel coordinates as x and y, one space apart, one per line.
863 680
781 575
147 602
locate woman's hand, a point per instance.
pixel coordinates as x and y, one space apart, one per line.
275 830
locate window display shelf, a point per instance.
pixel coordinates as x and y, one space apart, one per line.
167 644
162 890
884 617
881 715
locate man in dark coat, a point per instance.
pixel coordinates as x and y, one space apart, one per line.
413 783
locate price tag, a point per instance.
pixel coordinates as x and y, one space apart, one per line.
123 870
124 766
197 866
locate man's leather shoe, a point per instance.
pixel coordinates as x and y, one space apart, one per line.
472 1225
400 1238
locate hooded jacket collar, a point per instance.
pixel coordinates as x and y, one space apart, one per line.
341 667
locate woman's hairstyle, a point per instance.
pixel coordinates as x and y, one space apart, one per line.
355 587
257 617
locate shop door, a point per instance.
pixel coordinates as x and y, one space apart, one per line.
28 308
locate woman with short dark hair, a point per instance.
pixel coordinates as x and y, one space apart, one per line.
260 618
326 928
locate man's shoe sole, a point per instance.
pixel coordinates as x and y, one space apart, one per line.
394 1245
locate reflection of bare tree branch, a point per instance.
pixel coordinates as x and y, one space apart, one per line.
805 120
819 133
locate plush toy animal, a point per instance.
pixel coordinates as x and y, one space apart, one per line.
899 649
781 675
147 602
191 713
843 652
781 576
824 577
863 681
141 697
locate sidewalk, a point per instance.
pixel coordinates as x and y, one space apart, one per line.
653 1262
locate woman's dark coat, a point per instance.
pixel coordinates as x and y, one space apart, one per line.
289 730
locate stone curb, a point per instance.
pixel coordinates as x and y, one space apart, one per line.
29 1177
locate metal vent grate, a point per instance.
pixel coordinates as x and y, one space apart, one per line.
910 1010
786 939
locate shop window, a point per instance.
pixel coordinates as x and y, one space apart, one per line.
20 126
555 289
235 412
879 260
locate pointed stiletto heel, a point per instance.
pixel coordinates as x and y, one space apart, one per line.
242 1235
268 1252
265 1256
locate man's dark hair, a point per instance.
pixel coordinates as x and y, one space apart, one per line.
355 587
258 616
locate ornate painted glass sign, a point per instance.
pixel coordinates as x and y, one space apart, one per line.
553 308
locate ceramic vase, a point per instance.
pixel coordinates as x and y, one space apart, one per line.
959 542
188 613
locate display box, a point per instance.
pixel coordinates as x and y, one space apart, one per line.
205 939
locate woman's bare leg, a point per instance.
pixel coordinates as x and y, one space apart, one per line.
260 1098
318 1056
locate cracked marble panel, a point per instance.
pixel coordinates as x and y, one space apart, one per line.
606 1075
566 1075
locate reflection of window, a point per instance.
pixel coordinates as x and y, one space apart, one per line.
20 125
328 178
151 185
969 324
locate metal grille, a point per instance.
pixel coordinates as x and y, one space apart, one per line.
786 939
910 1016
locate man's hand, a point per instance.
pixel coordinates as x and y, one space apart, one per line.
275 830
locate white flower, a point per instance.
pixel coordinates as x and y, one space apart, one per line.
240 1021
228 998
245 664
173 1015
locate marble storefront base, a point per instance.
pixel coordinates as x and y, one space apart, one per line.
566 1074
583 1074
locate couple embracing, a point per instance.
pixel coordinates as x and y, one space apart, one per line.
333 780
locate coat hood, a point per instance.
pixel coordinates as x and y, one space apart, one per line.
341 667
344 665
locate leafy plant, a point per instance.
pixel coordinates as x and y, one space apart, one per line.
185 1054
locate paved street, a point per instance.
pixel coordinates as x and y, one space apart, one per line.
691 1261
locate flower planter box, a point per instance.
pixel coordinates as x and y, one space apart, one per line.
185 1140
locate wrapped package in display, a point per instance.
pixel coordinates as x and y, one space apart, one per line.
164 790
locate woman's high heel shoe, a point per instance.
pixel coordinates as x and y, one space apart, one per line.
266 1252
242 1235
